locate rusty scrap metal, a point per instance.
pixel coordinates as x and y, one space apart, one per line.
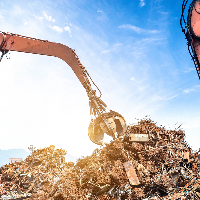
122 169
131 173
139 137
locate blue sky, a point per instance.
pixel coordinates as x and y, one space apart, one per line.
134 51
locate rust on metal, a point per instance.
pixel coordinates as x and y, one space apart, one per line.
131 173
158 169
139 137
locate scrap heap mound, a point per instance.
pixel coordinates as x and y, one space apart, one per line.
162 168
40 169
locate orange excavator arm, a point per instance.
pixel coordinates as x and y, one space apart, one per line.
13 42
104 122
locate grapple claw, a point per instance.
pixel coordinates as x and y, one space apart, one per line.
111 123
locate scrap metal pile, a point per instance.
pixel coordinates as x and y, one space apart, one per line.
162 168
22 179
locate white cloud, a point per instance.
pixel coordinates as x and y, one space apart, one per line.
194 88
67 28
164 13
187 90
149 40
114 48
138 29
40 18
142 3
132 79
17 10
25 23
49 18
56 28
1 16
189 69
164 98
99 11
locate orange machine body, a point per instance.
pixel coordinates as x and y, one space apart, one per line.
193 31
14 42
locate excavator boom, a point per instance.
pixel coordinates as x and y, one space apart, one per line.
111 123
13 42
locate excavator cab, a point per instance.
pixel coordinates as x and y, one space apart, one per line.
191 29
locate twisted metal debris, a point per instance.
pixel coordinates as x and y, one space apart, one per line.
162 168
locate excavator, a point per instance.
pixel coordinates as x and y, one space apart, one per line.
191 29
104 121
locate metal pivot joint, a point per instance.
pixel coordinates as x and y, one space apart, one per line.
3 46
